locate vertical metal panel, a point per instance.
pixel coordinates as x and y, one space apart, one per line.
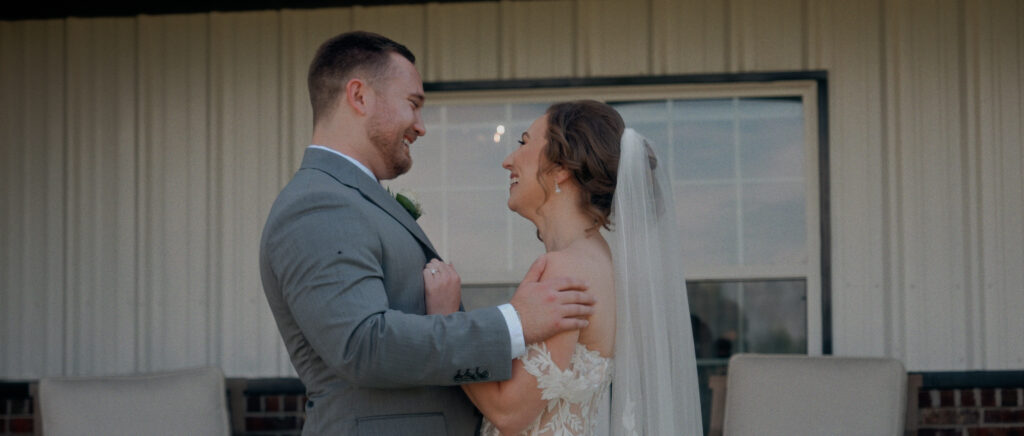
31 197
406 24
613 38
245 118
930 226
995 45
462 42
689 36
846 41
174 185
767 36
101 274
537 39
302 33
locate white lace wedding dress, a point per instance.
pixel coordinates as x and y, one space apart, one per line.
574 394
655 371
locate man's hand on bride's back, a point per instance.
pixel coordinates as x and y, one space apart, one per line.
443 288
552 306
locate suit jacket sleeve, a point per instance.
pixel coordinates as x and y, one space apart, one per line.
327 252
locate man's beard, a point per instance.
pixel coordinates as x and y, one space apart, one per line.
391 147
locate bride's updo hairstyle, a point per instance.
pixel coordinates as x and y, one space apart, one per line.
583 137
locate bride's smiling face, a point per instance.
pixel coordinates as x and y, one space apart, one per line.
526 194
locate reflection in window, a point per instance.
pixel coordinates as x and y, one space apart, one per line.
738 169
730 317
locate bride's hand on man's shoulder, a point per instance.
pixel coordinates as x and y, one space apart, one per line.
442 288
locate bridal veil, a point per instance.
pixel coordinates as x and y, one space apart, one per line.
654 390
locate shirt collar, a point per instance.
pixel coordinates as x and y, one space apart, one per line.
350 159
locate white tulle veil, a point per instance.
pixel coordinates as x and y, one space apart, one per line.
654 390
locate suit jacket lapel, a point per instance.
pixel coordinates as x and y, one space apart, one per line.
348 174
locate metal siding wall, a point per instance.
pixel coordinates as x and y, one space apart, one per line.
537 39
175 312
245 118
302 32
995 97
690 36
767 36
32 191
925 116
613 38
403 23
463 41
140 156
845 39
101 279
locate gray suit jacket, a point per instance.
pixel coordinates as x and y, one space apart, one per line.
342 263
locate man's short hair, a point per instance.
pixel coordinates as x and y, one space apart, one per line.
341 57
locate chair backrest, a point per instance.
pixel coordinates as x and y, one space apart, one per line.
802 395
191 402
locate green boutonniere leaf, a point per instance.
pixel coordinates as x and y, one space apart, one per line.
409 204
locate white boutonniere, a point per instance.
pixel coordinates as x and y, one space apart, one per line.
409 203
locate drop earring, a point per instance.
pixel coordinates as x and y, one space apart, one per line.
557 189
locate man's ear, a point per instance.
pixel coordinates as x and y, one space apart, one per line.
359 96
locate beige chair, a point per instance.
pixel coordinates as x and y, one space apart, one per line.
801 395
185 402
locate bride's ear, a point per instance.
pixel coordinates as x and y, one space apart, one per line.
561 175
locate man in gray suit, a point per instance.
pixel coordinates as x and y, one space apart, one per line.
342 266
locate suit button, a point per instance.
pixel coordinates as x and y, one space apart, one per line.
482 374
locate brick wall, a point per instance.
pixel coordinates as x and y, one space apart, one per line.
15 410
971 412
267 414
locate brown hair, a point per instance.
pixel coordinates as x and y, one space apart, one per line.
340 57
583 137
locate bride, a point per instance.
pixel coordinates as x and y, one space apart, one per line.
578 171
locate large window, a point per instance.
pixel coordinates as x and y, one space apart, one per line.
743 158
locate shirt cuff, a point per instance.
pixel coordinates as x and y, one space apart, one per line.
515 329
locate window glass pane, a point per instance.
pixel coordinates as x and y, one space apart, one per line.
775 316
474 157
771 138
432 114
714 315
774 229
472 219
427 161
480 296
704 139
475 113
704 150
710 224
527 112
526 247
649 119
760 316
647 111
704 109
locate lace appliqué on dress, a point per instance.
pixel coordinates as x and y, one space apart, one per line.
573 394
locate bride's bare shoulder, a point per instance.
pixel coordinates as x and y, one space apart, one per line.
584 261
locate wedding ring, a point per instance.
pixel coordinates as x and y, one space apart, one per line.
433 271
